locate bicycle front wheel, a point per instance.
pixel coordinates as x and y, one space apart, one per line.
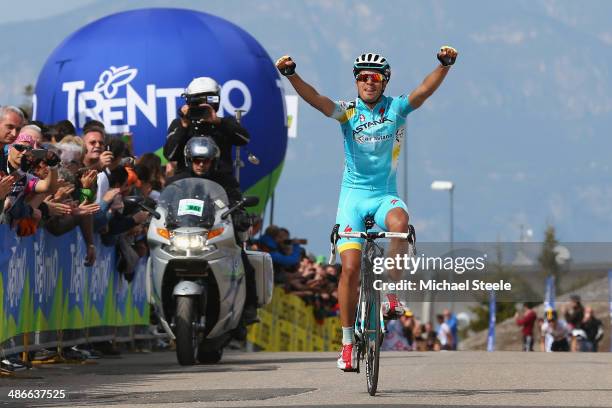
373 335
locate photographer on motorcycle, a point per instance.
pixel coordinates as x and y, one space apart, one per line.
198 118
202 157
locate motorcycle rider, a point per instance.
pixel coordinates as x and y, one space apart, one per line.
199 117
202 156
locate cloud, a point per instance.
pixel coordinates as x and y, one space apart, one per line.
606 38
558 208
597 200
316 211
369 20
556 12
494 176
346 49
504 35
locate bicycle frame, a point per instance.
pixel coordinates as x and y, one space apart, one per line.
369 340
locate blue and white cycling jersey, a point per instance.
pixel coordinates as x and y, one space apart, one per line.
372 141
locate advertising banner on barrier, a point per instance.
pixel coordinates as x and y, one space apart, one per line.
45 286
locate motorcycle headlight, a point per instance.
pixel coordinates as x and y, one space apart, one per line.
187 242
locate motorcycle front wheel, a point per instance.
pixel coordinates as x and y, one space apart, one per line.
186 337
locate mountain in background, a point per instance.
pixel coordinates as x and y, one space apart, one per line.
521 124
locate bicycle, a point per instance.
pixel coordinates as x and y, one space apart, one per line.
369 322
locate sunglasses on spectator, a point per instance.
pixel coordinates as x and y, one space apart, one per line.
201 162
374 77
21 148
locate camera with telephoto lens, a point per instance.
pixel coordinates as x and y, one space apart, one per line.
31 158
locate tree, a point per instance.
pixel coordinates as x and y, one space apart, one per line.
26 106
548 256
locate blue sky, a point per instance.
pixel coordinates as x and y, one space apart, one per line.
521 125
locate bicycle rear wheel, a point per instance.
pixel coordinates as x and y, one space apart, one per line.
373 336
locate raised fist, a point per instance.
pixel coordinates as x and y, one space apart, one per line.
285 65
447 55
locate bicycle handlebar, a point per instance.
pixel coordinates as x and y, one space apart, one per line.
335 235
374 235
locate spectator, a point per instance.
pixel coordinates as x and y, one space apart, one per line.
554 333
589 333
406 330
575 313
15 206
11 121
451 321
34 132
95 155
143 183
395 338
117 155
92 123
118 221
62 129
431 337
153 162
527 321
285 253
445 336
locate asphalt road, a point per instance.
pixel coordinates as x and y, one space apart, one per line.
311 379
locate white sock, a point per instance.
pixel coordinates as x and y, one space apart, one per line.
348 335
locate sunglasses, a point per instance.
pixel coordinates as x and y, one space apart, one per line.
21 148
374 77
201 162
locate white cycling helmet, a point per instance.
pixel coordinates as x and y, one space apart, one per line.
374 62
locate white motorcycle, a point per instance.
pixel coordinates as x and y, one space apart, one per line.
195 274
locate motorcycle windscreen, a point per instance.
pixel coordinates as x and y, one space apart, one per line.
192 202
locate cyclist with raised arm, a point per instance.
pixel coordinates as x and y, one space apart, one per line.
373 126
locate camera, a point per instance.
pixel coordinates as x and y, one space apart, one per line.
202 90
197 112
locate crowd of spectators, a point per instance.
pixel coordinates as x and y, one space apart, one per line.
316 282
301 274
54 179
578 331
408 333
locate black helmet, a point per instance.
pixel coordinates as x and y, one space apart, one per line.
201 147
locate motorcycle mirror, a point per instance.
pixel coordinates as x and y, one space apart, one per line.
133 199
151 211
250 201
253 159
